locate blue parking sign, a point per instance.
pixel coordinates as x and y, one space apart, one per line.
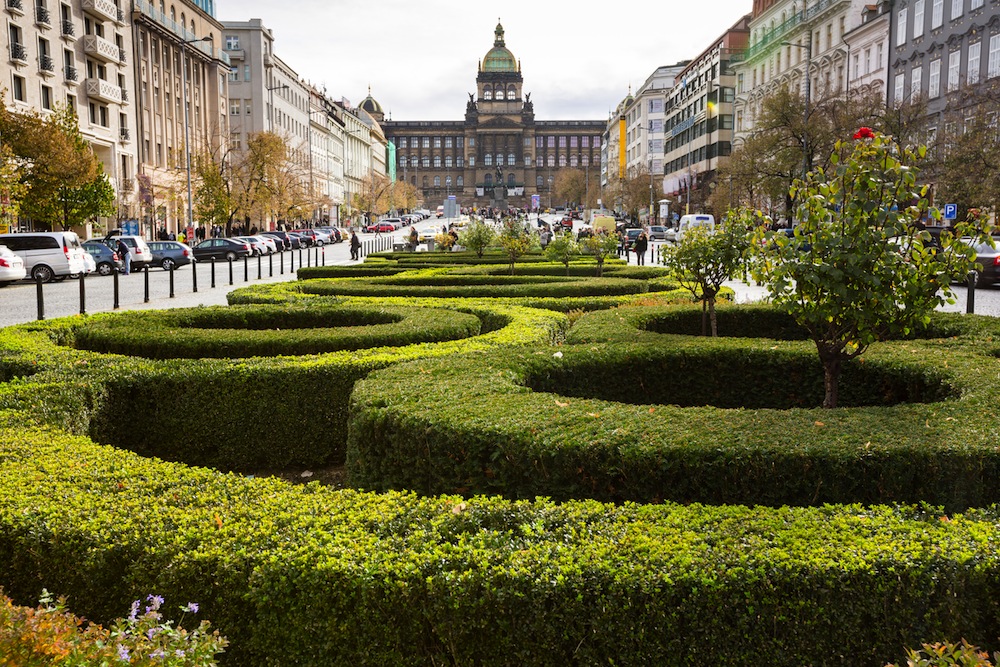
950 211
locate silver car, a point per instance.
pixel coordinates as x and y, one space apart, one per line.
11 267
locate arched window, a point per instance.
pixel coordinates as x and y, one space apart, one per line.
402 162
539 161
460 181
488 180
447 161
510 179
437 161
527 161
447 181
424 181
426 162
511 93
414 161
173 14
562 160
487 93
413 181
500 94
552 160
488 160
511 160
539 182
437 181
572 160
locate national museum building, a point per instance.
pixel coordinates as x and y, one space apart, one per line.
499 135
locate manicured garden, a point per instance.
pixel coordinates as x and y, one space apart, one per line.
533 485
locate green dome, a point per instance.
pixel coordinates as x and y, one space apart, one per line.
499 58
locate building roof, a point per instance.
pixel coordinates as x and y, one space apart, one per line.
371 105
499 58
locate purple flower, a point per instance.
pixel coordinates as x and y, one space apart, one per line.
123 654
179 653
191 607
155 601
158 653
135 611
152 632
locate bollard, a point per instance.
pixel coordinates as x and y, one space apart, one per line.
324 255
229 259
291 260
145 284
171 272
270 266
259 260
308 256
40 297
300 255
194 275
970 295
117 304
83 293
246 268
281 263
213 273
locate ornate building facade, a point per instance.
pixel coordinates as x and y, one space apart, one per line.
499 136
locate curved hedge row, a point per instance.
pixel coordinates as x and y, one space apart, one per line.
471 286
575 269
268 330
240 414
309 576
689 419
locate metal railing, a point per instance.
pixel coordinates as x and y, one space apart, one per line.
18 52
70 72
68 29
781 31
15 4
42 15
46 64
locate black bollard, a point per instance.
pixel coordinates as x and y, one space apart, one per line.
171 272
259 260
970 295
291 260
300 256
281 263
117 304
246 268
309 257
145 284
213 273
270 266
194 275
228 259
324 255
83 293
40 298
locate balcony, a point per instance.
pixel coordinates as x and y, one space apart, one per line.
121 16
67 31
151 13
123 135
18 54
122 56
70 75
46 66
101 48
104 9
100 89
15 7
43 19
124 95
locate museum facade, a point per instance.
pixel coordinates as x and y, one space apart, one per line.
498 138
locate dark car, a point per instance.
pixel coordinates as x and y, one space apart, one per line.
170 254
224 249
987 270
289 241
106 259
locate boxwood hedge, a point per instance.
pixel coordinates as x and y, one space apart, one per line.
310 576
689 419
235 414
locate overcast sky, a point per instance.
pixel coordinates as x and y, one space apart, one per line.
421 58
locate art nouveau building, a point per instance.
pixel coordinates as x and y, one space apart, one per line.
499 133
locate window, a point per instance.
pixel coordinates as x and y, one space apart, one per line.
976 4
247 108
956 8
426 143
246 72
425 162
472 160
46 97
916 82
539 182
460 181
551 142
973 64
500 93
460 162
937 13
437 161
488 159
447 142
402 142
511 93
898 94
934 79
511 160
994 61
448 162
447 181
437 181
402 161
918 18
232 42
487 93
656 105
437 142
954 66
562 142
234 108
234 74
527 161
20 93
585 142
868 61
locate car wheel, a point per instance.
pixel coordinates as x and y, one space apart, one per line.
41 273
105 269
230 256
59 279
168 264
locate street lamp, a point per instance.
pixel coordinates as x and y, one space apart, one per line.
805 136
187 124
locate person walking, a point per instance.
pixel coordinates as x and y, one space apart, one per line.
640 247
123 255
355 245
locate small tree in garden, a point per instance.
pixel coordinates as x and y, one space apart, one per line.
703 260
858 268
562 248
515 241
477 236
601 245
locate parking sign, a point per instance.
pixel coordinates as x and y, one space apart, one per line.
950 211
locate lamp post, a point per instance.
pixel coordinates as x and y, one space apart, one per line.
187 124
805 136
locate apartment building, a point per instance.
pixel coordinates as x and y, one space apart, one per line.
76 53
181 75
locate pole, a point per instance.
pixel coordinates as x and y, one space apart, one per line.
187 134
805 124
83 292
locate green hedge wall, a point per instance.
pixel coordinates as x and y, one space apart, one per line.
308 576
269 330
689 419
239 414
474 286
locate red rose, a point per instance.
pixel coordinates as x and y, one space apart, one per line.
864 133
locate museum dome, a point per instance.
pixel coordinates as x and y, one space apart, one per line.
370 105
499 58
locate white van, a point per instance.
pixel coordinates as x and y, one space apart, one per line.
48 255
695 220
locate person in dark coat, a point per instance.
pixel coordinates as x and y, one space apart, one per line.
123 255
355 245
641 246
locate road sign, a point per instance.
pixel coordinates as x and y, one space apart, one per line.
130 227
950 211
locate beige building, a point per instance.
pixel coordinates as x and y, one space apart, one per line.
77 53
178 58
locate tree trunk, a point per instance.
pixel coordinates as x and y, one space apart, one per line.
704 318
600 267
831 381
711 314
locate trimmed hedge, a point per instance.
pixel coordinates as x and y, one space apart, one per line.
474 286
267 330
308 576
241 414
608 421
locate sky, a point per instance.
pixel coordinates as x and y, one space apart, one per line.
421 58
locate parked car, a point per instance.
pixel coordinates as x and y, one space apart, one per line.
290 241
171 254
258 244
631 235
381 227
105 257
987 271
11 267
139 253
47 255
658 233
223 249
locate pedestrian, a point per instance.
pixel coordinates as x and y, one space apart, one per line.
414 239
180 237
123 255
641 246
623 238
378 229
355 245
